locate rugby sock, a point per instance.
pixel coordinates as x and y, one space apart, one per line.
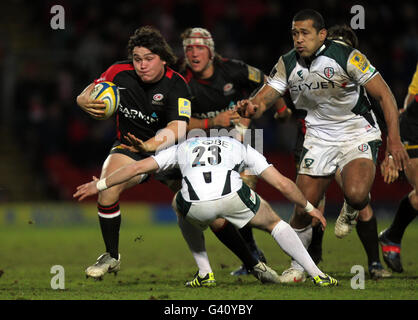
232 239
290 242
196 241
315 247
305 235
405 214
247 233
367 232
110 220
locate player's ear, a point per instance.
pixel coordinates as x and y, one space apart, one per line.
323 34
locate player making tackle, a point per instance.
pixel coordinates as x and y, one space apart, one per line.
154 111
212 187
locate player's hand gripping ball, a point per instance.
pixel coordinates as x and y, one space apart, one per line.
107 92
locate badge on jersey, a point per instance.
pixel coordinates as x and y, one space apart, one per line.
329 72
254 74
363 147
360 61
308 162
184 107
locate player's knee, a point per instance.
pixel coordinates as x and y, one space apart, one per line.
358 202
109 196
357 197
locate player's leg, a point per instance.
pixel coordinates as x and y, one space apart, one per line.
315 247
266 219
357 179
348 216
229 236
366 227
357 162
390 239
110 217
247 232
214 212
313 189
195 239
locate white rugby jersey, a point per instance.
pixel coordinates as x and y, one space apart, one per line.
211 166
330 89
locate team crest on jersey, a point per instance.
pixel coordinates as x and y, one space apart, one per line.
308 162
363 147
157 99
329 72
228 88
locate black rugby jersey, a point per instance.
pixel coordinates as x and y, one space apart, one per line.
231 81
146 108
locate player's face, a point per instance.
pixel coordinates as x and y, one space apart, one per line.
148 66
199 59
306 39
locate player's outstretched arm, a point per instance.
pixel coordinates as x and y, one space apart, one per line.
117 177
222 119
164 138
282 113
255 106
379 90
290 190
95 108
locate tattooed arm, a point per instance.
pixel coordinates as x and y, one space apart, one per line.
255 106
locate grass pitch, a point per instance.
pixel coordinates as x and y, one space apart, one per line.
156 263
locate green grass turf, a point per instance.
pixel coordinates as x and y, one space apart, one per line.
156 263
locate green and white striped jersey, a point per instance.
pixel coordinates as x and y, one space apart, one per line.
330 89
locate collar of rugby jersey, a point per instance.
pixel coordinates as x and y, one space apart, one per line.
318 52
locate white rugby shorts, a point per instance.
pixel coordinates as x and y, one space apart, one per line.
322 158
238 208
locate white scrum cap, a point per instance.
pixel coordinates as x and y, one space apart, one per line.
200 37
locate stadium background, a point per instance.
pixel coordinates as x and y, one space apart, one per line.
48 145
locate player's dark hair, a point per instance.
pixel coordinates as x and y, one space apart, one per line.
310 14
150 38
343 33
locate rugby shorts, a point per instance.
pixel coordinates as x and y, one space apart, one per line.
322 158
116 148
238 208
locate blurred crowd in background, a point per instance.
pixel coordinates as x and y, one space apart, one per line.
43 70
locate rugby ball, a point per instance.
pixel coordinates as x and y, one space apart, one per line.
109 93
